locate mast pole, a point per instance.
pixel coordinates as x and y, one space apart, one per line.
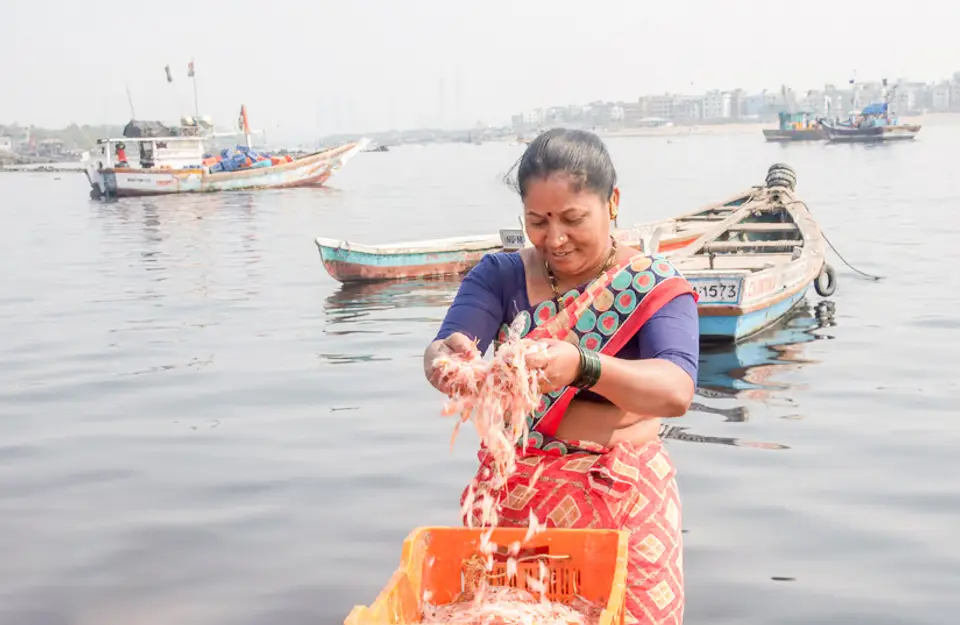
196 101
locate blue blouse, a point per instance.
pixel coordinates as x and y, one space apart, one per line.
495 291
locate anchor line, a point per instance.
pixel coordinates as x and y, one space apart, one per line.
835 251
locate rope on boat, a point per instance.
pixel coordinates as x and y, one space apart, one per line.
835 251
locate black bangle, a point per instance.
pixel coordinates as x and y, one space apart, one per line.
589 369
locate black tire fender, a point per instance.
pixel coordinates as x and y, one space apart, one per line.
825 283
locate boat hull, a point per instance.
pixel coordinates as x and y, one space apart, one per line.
345 263
722 328
367 268
311 170
873 134
733 306
785 136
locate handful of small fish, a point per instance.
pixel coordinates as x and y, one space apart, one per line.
497 395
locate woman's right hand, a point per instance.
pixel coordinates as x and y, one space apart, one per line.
457 344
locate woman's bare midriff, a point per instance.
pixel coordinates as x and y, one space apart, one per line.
605 424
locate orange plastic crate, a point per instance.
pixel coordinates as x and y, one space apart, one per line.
594 566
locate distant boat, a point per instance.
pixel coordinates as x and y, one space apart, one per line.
172 160
654 122
796 127
874 124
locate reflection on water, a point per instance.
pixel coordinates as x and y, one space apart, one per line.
736 414
679 433
747 369
208 247
352 303
380 308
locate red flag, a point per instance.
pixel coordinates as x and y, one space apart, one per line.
242 122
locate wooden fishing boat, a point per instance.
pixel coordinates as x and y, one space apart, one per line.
751 258
881 132
796 127
874 124
108 181
355 262
172 160
756 261
351 262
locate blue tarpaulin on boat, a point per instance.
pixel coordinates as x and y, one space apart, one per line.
877 108
232 160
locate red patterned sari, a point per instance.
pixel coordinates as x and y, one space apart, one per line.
586 485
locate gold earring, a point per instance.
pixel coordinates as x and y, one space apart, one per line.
614 211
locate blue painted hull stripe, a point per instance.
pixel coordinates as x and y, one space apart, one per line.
397 260
733 328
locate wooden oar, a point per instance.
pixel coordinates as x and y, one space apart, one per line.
715 231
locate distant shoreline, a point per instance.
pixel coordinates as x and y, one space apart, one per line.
44 168
679 130
676 130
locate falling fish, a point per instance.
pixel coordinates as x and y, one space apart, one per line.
496 396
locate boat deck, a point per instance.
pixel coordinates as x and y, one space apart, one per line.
726 263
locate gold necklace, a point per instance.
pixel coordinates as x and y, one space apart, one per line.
552 277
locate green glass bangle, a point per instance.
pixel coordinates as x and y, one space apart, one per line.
589 369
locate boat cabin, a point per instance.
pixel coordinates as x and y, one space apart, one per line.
797 121
152 152
157 145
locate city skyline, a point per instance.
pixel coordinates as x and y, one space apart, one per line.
352 67
714 106
911 97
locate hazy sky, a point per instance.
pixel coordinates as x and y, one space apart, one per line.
308 67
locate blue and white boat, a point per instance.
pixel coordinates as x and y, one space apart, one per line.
756 261
348 262
351 262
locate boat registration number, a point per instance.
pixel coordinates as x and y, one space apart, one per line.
512 239
717 291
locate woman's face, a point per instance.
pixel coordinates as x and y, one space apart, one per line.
570 228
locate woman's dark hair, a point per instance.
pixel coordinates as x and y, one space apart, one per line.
578 153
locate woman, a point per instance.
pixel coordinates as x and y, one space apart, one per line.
622 338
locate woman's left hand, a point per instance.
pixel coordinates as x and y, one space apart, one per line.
560 362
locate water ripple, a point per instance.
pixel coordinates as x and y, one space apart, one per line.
201 427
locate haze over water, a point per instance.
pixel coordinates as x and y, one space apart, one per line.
201 427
